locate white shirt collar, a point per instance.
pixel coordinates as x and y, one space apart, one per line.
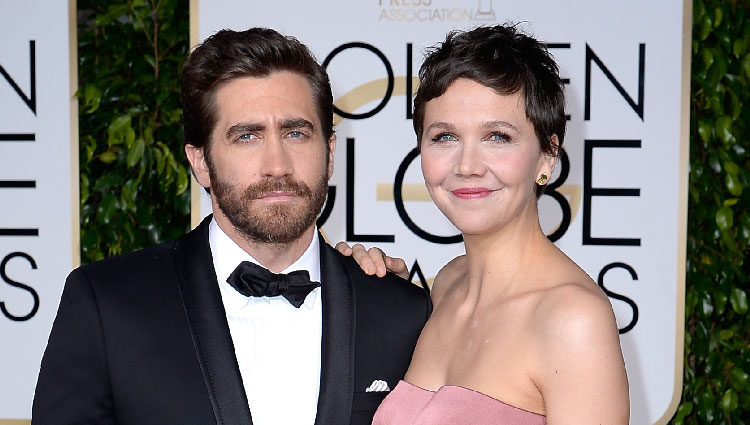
227 255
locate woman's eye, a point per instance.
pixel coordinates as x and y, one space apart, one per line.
499 137
444 137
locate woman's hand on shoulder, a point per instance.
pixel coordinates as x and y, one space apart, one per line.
374 260
582 371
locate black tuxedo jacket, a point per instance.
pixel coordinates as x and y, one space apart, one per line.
143 339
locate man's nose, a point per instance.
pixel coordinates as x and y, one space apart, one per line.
275 161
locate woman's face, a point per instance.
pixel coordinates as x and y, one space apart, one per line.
481 157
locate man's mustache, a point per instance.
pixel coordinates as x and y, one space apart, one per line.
284 184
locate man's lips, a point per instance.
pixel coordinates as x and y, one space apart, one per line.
472 192
281 195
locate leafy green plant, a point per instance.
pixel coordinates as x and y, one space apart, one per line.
133 176
717 353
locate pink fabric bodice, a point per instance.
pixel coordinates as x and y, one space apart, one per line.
408 404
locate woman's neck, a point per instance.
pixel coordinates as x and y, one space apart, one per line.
500 262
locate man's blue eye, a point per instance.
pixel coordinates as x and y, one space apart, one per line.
296 134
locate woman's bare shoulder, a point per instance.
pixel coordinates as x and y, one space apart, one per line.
572 301
578 350
447 278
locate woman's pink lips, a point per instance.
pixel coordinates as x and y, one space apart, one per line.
472 192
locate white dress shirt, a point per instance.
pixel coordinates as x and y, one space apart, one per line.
277 345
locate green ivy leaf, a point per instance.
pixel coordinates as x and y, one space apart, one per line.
731 201
707 306
724 130
699 11
738 299
736 104
159 160
718 16
740 378
746 65
724 218
733 184
129 137
720 300
705 28
149 60
182 180
682 411
136 152
706 405
705 129
745 227
108 157
127 198
713 162
91 98
114 12
107 208
716 99
738 47
731 167
729 401
84 189
117 129
729 243
708 58
89 240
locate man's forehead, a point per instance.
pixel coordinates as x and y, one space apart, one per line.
274 100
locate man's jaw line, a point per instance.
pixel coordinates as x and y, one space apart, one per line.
274 256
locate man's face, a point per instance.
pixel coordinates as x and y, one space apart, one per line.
267 166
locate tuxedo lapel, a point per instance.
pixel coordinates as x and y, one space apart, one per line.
337 345
208 326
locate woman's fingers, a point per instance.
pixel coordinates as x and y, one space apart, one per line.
397 266
374 260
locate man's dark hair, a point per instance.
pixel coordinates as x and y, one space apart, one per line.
506 60
256 52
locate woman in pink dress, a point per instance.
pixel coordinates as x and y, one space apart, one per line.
519 333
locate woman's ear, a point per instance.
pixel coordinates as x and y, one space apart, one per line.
547 161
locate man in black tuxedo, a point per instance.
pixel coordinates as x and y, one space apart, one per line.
193 331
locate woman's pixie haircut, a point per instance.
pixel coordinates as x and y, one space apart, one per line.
505 60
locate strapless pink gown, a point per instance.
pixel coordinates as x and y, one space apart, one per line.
408 404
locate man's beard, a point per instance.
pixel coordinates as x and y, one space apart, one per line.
278 223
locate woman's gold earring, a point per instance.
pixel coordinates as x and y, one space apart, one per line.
542 179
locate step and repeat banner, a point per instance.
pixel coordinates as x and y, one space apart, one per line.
38 187
617 202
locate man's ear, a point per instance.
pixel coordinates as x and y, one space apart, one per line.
197 159
331 152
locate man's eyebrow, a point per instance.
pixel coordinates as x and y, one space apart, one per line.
244 127
291 123
442 126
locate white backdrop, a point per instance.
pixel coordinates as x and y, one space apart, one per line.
38 187
620 207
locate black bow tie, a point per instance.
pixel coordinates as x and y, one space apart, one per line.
252 280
